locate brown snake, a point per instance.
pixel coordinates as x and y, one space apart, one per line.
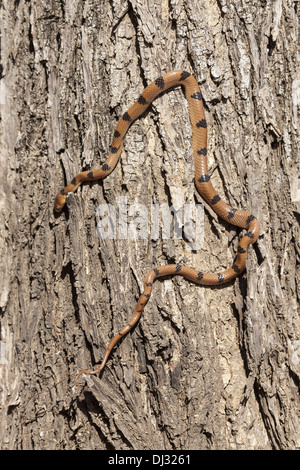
203 184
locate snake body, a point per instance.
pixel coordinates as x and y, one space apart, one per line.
203 184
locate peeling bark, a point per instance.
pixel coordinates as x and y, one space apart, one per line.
205 368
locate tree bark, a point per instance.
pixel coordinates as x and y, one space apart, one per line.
205 368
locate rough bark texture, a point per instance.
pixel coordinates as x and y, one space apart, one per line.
205 368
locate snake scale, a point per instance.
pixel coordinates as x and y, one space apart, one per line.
203 184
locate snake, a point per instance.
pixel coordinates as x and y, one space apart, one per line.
237 217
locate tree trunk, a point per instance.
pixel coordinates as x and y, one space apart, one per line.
205 367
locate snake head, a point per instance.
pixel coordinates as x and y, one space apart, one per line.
60 201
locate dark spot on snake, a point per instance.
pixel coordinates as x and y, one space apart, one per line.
178 268
203 179
215 199
130 325
160 83
250 218
202 123
105 167
117 134
156 271
147 296
90 174
235 268
149 284
197 96
126 117
249 234
202 151
231 213
241 250
184 75
62 192
142 100
120 334
200 275
74 182
220 277
114 149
